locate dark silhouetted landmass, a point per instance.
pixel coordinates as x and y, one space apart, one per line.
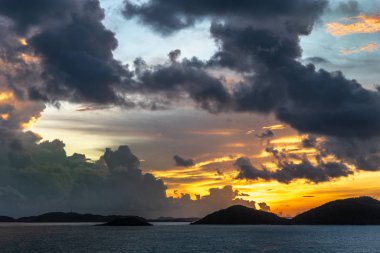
128 221
67 217
355 211
6 219
241 215
171 219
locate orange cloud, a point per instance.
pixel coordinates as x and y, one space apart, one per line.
371 47
32 121
23 41
222 132
275 127
355 25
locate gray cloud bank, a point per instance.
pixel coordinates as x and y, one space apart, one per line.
37 177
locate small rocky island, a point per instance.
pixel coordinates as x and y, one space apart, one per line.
134 221
241 215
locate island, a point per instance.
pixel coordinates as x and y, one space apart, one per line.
127 221
353 211
6 219
60 217
241 215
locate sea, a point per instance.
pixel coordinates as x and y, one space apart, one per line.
182 237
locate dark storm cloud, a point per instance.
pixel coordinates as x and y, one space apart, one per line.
182 162
364 154
182 14
261 40
74 47
289 171
27 13
265 46
182 79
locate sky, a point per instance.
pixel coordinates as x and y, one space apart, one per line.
166 108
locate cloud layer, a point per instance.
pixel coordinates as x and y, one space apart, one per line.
40 177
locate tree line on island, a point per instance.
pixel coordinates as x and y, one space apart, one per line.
353 211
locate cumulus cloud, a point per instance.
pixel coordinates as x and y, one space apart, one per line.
38 177
72 47
216 200
264 207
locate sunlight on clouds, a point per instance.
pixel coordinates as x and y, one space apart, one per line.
275 127
287 140
236 145
222 132
4 96
28 125
23 41
29 59
354 25
371 47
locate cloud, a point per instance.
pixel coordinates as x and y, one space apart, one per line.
371 47
217 199
264 207
266 134
38 177
317 60
275 127
266 51
291 168
364 154
179 80
71 49
182 162
347 8
261 41
180 15
355 25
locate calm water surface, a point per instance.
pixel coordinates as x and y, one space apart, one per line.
33 238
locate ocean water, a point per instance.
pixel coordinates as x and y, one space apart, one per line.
37 238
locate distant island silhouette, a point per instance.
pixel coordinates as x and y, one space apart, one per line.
58 217
241 215
355 211
352 211
6 219
127 221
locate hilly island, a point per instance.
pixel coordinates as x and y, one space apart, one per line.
353 211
